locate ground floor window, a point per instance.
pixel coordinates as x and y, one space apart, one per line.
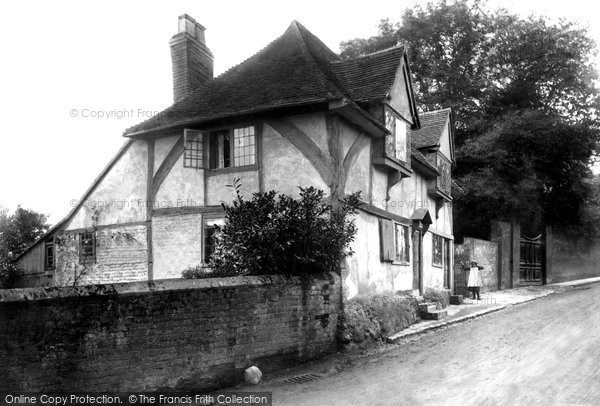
87 247
211 230
49 255
394 239
402 243
438 250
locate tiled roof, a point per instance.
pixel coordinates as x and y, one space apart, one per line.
295 69
432 128
369 77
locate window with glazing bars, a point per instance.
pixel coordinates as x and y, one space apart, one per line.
193 153
49 257
87 247
232 147
244 146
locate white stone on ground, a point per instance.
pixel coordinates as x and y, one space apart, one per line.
253 375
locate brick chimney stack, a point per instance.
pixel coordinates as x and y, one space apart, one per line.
192 60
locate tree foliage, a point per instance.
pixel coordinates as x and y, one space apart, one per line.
273 233
524 101
9 274
19 230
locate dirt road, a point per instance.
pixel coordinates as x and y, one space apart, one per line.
541 352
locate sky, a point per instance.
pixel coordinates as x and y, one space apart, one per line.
75 74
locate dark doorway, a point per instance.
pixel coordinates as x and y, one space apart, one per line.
418 260
447 262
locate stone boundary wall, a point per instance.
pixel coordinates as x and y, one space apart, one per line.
572 260
171 334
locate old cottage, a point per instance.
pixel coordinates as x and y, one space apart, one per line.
294 114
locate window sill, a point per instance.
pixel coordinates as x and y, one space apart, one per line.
402 263
233 169
437 265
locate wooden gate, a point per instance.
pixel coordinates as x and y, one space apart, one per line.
531 268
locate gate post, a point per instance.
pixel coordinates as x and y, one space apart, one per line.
501 234
515 255
548 256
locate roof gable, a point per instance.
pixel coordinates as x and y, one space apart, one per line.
369 77
434 124
382 75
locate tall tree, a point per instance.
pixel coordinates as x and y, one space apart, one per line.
525 104
20 229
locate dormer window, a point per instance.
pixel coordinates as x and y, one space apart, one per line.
397 141
441 185
393 153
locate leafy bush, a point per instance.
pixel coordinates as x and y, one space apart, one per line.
273 233
372 319
9 274
440 297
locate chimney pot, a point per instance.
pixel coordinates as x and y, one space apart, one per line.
192 27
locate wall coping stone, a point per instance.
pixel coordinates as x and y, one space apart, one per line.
113 289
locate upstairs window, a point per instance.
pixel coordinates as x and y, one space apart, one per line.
445 180
232 147
244 146
193 153
220 149
396 144
49 255
87 247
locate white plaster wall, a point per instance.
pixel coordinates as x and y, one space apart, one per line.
410 194
313 125
181 187
177 244
121 196
285 168
365 273
359 173
218 192
162 146
400 100
379 192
